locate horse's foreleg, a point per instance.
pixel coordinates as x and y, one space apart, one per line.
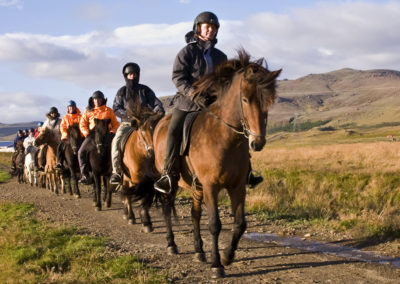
196 215
107 191
167 203
76 192
97 182
128 211
145 217
214 226
237 199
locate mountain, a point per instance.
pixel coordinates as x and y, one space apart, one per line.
344 97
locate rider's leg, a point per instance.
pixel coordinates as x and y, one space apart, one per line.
60 155
116 158
82 158
174 137
43 157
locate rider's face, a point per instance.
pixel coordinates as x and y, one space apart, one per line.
131 76
71 109
97 102
207 31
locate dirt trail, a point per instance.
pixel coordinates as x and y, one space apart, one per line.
255 262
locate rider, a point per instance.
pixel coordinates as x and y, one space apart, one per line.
197 58
132 94
53 123
96 109
73 116
19 137
37 130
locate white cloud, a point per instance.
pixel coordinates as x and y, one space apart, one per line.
11 3
318 39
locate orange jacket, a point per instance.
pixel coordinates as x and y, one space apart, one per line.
101 112
68 120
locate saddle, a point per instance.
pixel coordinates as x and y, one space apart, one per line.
187 127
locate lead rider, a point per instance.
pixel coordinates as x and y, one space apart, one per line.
197 58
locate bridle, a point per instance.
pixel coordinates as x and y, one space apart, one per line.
245 131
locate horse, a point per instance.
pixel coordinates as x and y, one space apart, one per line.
100 161
218 156
19 161
47 136
71 147
30 171
139 173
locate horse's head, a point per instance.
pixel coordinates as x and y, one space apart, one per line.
45 136
244 90
74 137
101 134
256 95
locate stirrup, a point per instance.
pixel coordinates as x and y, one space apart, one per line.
162 190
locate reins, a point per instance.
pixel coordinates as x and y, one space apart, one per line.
246 132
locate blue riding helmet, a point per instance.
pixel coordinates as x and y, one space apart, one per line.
72 103
40 123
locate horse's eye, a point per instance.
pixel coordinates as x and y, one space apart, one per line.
245 100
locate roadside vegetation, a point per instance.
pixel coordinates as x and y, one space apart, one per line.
5 164
35 252
348 181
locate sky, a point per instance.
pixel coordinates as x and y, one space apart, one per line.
54 51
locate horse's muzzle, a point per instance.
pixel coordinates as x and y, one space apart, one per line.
257 143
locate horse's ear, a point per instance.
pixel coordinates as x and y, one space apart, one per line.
275 74
248 73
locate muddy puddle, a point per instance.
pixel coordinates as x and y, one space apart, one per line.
325 248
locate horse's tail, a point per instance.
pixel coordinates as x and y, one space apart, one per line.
144 191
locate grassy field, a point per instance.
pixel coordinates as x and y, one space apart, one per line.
34 252
5 163
350 182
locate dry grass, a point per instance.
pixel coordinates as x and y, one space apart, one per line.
352 184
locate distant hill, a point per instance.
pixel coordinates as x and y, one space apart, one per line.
344 97
9 131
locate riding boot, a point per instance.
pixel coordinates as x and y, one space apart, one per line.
169 181
254 179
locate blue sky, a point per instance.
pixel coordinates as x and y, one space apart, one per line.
54 51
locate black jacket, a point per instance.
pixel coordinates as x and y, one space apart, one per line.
147 99
190 64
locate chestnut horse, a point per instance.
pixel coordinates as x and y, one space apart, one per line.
218 157
139 172
47 136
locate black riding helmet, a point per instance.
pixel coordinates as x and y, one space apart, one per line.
131 67
98 95
53 110
205 17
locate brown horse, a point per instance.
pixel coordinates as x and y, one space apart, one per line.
218 157
47 136
19 161
139 172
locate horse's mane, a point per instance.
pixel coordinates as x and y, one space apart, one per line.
217 82
140 116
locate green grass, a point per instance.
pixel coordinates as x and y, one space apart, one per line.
34 252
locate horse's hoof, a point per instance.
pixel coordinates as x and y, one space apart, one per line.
147 229
131 221
172 250
225 259
97 208
77 196
217 272
199 257
125 217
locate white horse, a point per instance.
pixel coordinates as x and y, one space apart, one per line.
30 171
